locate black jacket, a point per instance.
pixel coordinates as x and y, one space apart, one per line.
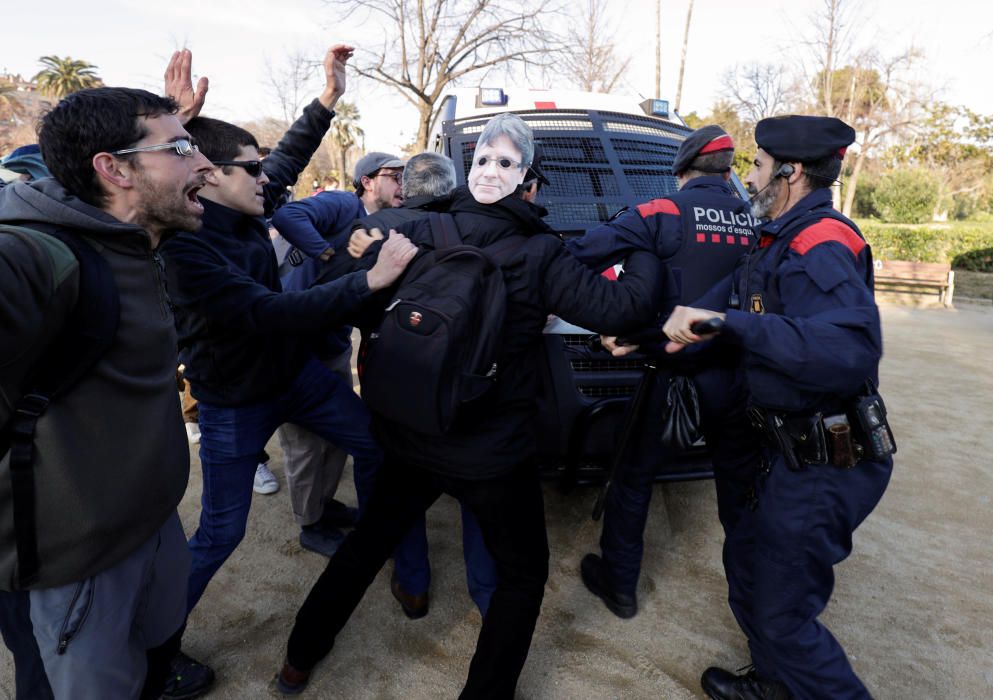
496 434
241 337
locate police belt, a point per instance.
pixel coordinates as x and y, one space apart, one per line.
808 439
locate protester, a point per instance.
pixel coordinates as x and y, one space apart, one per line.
486 460
243 341
107 596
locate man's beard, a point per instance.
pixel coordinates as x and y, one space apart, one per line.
763 199
165 208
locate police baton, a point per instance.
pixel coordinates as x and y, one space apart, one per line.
635 408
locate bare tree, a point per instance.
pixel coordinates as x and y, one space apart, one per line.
291 82
591 60
658 48
682 60
829 40
759 90
432 44
883 103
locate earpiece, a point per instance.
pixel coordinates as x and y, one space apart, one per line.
785 170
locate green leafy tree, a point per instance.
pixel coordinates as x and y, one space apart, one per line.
906 196
64 76
345 134
10 106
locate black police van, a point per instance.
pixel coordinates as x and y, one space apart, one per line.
601 154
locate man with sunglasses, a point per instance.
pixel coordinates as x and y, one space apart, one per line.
110 462
245 342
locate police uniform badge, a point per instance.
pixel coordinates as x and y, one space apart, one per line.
757 307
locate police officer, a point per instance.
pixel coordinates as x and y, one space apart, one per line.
700 232
800 307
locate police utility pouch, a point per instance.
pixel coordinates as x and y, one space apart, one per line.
681 418
871 414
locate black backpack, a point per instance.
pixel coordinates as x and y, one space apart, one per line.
437 345
88 333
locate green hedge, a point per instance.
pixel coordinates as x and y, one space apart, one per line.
966 245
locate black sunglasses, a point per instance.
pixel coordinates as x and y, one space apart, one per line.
252 167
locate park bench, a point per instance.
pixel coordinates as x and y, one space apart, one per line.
915 278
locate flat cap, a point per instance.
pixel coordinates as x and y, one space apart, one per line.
802 139
705 140
371 162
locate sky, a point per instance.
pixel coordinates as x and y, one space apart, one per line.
232 41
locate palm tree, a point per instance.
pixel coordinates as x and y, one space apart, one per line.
62 76
10 106
345 133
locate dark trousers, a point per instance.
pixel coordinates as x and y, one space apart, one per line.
510 512
734 453
30 681
780 565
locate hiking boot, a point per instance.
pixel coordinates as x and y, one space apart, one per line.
188 678
594 574
320 539
720 684
413 606
265 480
337 514
291 681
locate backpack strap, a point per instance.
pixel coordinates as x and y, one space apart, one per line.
443 230
86 336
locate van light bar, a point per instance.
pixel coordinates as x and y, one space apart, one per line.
491 97
656 108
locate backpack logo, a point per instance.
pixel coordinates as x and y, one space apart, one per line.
415 318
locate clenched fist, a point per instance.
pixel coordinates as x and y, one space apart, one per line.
394 256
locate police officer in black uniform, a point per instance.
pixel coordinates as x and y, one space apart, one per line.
800 311
700 232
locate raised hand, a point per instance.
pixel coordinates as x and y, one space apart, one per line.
179 85
334 73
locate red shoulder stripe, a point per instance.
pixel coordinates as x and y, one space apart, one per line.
827 230
658 206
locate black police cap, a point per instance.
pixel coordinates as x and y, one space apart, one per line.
705 140
802 139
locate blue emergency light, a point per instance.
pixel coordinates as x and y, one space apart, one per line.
488 97
656 108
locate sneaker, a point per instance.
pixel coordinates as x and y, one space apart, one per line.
720 684
188 678
594 574
193 433
291 681
265 481
320 539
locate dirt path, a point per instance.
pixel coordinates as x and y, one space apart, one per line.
913 605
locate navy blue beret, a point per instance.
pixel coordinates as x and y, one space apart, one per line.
802 139
706 139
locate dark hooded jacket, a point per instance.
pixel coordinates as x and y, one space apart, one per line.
112 459
496 433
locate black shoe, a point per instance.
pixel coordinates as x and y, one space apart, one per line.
320 539
337 514
188 678
720 684
291 681
414 606
594 575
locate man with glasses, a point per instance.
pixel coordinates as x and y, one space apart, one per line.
244 342
110 462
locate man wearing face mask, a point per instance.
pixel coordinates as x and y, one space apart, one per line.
800 312
486 458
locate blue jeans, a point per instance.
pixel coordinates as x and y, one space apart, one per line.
231 439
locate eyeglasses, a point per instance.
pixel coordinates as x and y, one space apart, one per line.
504 163
396 177
183 147
252 167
